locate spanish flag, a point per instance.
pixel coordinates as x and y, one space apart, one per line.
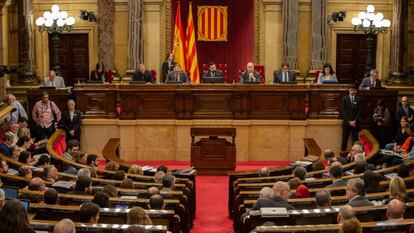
179 46
192 63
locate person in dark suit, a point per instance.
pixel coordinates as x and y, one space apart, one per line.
281 193
284 75
71 120
351 109
250 75
213 71
336 175
371 81
177 75
99 74
142 75
405 110
6 144
355 192
168 65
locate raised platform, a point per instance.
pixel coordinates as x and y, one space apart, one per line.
257 140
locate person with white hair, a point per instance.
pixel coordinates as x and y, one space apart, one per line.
71 120
2 198
19 112
84 172
250 75
266 192
65 226
361 164
371 82
281 193
355 192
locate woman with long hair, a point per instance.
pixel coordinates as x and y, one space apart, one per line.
13 218
99 74
168 65
397 190
137 215
327 74
381 118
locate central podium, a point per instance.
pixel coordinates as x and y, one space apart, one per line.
212 154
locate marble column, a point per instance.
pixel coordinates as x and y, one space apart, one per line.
106 32
26 68
319 34
290 32
135 33
399 39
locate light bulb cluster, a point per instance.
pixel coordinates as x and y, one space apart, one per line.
371 22
55 21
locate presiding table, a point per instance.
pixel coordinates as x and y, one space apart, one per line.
224 101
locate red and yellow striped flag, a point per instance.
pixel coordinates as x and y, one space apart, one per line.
192 62
179 43
212 23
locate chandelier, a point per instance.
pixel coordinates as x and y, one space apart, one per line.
55 21
370 22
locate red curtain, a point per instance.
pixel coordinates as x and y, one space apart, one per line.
238 50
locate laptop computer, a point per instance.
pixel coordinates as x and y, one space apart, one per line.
329 82
11 192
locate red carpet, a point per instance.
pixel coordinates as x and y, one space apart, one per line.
212 194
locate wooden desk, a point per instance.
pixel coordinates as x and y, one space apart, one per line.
213 155
224 101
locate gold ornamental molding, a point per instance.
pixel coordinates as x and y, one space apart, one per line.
167 4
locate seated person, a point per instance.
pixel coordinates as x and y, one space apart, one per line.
99 74
281 193
398 190
6 144
250 75
177 75
263 172
71 149
302 192
137 215
26 158
83 186
35 184
44 161
168 182
336 175
351 226
159 176
25 172
402 134
119 175
323 199
101 199
395 210
371 181
91 160
110 190
24 143
80 157
127 184
156 202
50 173
135 170
14 130
51 197
152 191
15 152
361 164
371 81
327 74
142 75
64 226
355 149
89 213
4 168
284 75
83 172
345 213
329 154
355 192
53 80
294 183
212 71
300 173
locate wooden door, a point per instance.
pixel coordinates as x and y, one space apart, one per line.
73 57
356 54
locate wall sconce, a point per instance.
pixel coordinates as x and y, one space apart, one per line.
87 16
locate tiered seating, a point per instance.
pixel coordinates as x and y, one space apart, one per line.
245 191
179 206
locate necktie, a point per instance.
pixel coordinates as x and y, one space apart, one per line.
406 110
177 77
372 83
212 73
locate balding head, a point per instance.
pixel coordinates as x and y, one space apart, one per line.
37 184
264 172
65 226
359 159
281 189
323 199
395 209
404 100
345 213
250 67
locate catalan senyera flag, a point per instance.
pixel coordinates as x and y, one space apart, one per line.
179 40
192 62
212 23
